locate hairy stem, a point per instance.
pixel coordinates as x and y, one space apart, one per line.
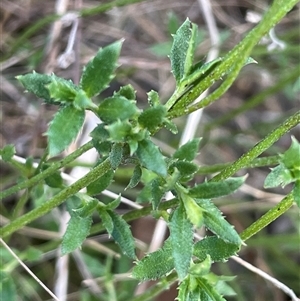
58 199
41 176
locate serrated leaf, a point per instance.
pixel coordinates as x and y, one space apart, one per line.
296 193
153 98
122 235
182 51
64 128
127 92
77 231
216 223
208 292
188 151
201 268
186 169
135 178
193 210
181 236
115 156
155 265
209 190
183 289
116 108
82 101
152 117
7 152
100 133
279 175
170 126
106 220
216 248
62 90
101 183
98 73
119 130
36 84
151 158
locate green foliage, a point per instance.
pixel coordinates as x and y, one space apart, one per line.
124 137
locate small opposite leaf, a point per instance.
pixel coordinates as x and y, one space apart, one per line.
291 158
216 248
181 236
116 108
193 210
216 223
153 98
98 73
209 190
77 231
135 178
100 184
188 151
64 128
36 84
122 235
115 155
151 157
7 152
127 92
155 265
106 219
279 175
152 117
182 52
119 130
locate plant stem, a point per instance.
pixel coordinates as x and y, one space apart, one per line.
234 60
54 166
259 148
58 199
269 217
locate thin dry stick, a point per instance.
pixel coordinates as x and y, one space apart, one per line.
28 270
266 276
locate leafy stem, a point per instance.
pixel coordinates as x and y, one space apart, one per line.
269 217
259 148
58 199
234 60
44 174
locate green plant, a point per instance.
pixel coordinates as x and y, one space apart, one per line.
124 137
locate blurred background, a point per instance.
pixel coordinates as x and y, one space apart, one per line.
264 95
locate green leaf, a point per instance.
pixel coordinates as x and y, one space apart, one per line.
216 248
290 158
82 101
215 222
186 169
157 192
201 268
119 130
193 210
152 117
208 292
62 90
151 158
135 178
54 180
127 92
100 133
122 235
182 51
155 265
188 151
209 190
296 193
279 175
153 98
106 219
64 128
36 84
101 183
87 207
98 73
77 231
7 152
8 288
181 236
113 204
115 155
116 108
